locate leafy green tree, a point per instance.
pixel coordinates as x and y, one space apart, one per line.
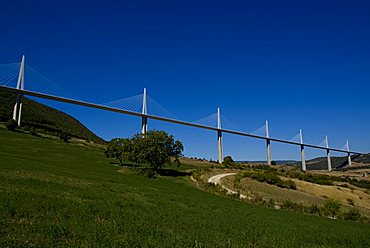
11 125
228 161
119 149
332 207
156 149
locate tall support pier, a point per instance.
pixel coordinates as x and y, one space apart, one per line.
328 153
302 151
144 118
219 137
17 112
349 155
268 144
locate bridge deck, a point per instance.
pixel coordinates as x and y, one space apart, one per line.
154 117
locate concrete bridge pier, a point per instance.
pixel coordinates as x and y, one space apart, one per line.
268 144
328 153
219 137
17 111
349 155
302 151
144 119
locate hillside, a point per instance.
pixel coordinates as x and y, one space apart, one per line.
336 162
66 195
44 119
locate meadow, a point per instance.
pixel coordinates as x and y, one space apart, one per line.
55 194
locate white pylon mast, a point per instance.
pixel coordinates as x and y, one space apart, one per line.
328 153
219 137
144 119
17 112
349 155
268 144
302 151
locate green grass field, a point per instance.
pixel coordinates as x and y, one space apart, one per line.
57 194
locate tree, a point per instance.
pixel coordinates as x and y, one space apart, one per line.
332 207
119 149
228 161
11 125
156 149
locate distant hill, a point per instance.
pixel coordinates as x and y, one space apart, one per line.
320 163
336 162
45 119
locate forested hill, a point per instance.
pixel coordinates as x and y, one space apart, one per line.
44 119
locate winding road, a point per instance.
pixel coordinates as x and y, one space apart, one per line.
217 181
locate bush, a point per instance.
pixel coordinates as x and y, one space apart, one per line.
332 207
289 205
11 125
64 137
352 214
270 177
314 209
289 184
270 203
33 131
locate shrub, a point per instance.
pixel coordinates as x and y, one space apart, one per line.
64 137
11 125
270 177
33 131
214 188
314 209
352 214
270 203
332 207
289 205
289 184
258 198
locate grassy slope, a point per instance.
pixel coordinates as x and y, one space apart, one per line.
40 116
56 194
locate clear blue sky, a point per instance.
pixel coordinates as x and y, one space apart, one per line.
299 64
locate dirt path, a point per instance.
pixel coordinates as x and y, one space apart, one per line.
217 181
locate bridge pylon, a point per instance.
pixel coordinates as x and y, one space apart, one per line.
144 119
328 153
303 160
219 137
17 112
349 155
268 144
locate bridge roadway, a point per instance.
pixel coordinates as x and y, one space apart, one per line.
154 117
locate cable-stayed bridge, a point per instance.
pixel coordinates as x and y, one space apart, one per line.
28 81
